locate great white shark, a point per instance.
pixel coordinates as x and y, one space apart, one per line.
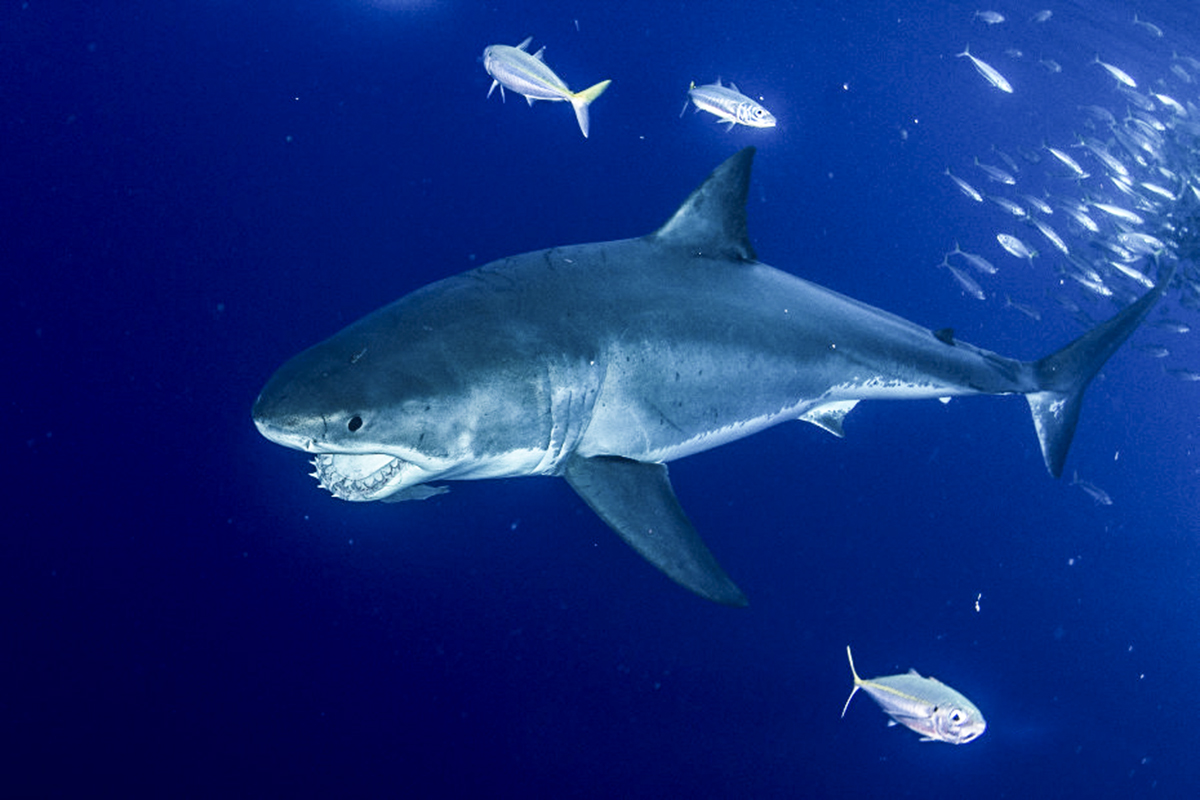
601 362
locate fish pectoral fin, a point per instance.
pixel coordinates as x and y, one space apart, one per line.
635 498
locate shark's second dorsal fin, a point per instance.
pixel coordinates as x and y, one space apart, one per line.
712 221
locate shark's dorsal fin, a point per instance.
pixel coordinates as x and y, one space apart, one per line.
712 221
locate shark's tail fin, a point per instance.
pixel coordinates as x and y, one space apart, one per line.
581 100
1062 377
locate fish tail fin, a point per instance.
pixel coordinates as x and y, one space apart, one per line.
581 100
857 681
1062 377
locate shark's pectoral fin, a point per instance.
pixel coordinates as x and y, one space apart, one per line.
636 500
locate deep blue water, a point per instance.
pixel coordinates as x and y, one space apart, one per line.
194 192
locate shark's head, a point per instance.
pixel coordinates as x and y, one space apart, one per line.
325 401
386 406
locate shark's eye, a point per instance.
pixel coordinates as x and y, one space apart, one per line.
355 423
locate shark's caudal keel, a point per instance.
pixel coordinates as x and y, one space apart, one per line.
601 362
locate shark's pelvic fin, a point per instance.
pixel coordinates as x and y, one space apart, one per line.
712 221
636 500
1063 376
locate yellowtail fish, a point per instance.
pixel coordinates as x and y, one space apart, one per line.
988 72
515 69
925 705
729 105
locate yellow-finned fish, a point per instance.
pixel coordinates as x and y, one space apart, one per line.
729 105
515 69
925 705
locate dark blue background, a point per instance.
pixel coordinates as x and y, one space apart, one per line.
193 192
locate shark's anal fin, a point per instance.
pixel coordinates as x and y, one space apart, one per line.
636 500
830 415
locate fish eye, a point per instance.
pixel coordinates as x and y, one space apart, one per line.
355 423
957 716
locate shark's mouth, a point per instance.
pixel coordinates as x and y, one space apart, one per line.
358 477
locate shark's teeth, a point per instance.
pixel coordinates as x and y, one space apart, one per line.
354 477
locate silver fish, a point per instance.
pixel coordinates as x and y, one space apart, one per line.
1095 492
1171 103
1007 159
1161 191
988 72
1008 205
1120 75
1153 350
995 173
1038 203
968 284
1051 235
990 17
1070 163
515 69
1100 151
1016 247
925 705
978 262
1181 73
1148 27
1120 213
1172 325
964 187
1081 217
729 105
1027 310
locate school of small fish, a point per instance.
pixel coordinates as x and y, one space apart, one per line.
1120 197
